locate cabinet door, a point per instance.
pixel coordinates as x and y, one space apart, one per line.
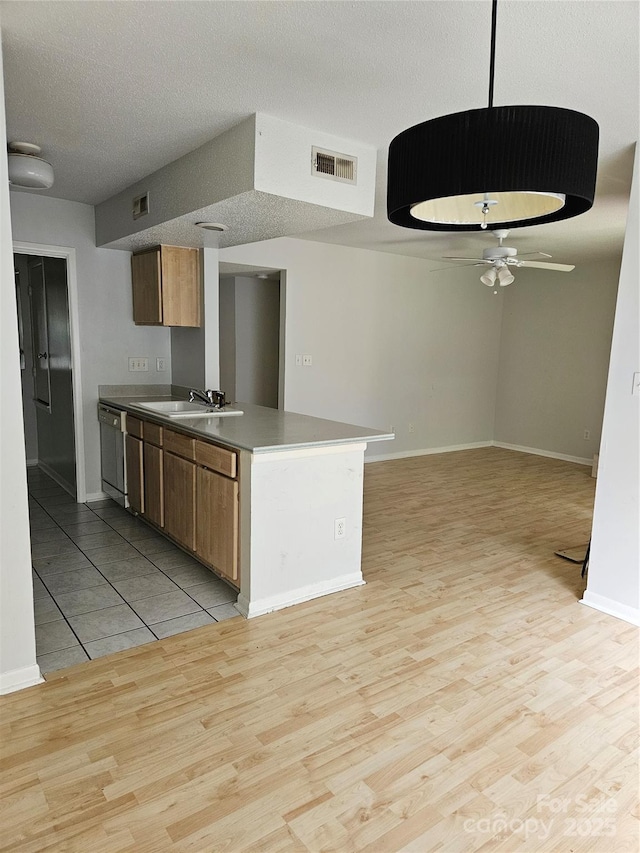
217 522
135 485
180 500
153 484
180 286
147 288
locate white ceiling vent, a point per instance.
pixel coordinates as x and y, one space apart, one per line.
330 164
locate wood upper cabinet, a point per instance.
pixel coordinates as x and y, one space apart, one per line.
135 484
166 286
217 522
180 499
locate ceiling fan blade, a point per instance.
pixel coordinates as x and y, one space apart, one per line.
531 254
458 266
454 258
542 265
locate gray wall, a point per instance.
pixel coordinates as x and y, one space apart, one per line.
187 357
107 333
554 354
228 336
439 357
391 344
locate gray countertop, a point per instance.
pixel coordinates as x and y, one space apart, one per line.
258 430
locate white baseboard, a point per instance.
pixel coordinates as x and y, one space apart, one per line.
97 496
18 679
406 454
55 476
579 460
250 609
611 607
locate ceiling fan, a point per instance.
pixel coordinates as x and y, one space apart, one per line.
502 258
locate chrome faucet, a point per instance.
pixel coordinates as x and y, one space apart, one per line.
215 399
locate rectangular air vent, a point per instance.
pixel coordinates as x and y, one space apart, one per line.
140 206
336 167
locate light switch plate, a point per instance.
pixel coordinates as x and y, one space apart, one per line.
138 363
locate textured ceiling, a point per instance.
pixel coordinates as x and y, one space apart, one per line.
114 90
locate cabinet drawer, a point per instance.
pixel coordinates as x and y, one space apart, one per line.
181 445
153 433
134 427
216 458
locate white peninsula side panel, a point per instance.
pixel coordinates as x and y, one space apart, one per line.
289 505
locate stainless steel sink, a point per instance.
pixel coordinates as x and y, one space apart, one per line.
185 409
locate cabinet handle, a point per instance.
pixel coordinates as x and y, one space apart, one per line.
43 355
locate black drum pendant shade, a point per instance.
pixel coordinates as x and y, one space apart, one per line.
499 167
534 154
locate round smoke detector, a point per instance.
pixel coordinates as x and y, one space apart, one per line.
212 226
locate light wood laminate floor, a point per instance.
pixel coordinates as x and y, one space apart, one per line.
461 701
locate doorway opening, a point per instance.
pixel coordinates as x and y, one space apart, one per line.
46 306
251 336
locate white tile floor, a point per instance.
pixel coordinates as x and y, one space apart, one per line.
104 581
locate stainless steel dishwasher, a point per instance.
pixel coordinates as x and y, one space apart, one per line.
112 432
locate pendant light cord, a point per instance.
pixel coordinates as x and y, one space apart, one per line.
492 66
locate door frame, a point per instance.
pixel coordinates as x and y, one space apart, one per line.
69 254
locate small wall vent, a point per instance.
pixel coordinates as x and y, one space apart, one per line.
140 206
336 167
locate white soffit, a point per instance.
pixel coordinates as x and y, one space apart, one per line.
256 178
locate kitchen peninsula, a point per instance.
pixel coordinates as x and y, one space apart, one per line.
296 482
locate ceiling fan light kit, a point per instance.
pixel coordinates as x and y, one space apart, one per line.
504 258
26 168
498 167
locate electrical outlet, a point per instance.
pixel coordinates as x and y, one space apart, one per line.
137 364
339 528
161 364
307 361
587 434
298 360
412 427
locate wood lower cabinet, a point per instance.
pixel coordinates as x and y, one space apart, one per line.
153 484
135 478
217 522
188 488
180 499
